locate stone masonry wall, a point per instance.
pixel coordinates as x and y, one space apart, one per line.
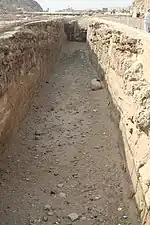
123 57
26 56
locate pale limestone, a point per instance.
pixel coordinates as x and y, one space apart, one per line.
121 54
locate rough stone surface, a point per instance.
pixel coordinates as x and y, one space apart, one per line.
26 57
74 31
73 217
121 56
96 85
47 207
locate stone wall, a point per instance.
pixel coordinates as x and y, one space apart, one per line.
122 56
74 31
127 20
26 56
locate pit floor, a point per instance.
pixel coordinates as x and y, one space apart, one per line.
68 154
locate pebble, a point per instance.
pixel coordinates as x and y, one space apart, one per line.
52 192
56 174
119 209
73 217
83 218
47 207
45 218
125 217
27 179
62 195
50 213
97 197
32 221
96 84
37 138
59 220
38 133
60 185
96 147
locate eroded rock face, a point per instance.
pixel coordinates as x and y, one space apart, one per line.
74 32
122 59
26 56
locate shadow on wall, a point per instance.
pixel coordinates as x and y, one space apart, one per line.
74 32
116 118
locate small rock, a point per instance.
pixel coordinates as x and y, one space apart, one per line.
73 217
56 174
59 220
96 85
37 138
47 207
83 218
2 184
97 197
32 221
60 185
27 179
119 209
52 192
62 195
50 213
45 218
125 217
75 175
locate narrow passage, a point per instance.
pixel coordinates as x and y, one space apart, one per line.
67 156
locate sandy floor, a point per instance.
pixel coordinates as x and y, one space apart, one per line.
67 155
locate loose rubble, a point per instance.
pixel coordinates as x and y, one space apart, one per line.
96 84
73 217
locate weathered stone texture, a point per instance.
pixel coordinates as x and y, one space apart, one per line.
74 31
122 59
26 56
142 5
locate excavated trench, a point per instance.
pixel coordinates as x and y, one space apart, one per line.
68 156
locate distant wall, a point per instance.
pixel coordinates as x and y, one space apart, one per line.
74 31
122 56
26 56
130 21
